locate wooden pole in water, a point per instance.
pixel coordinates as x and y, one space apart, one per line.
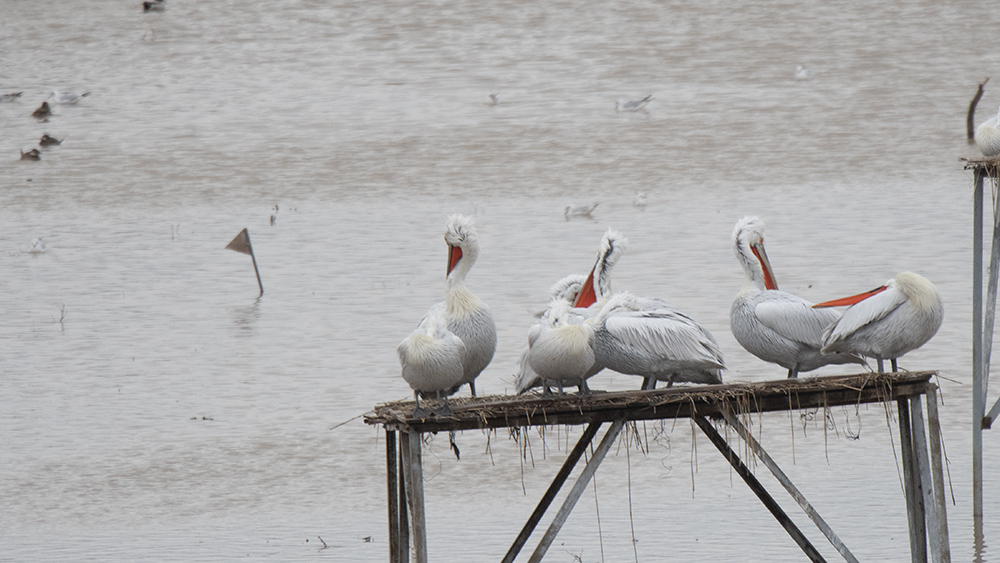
392 490
911 485
924 476
934 438
404 520
811 552
415 494
747 437
553 490
577 490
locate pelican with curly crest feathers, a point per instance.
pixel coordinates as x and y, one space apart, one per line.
561 351
988 136
888 321
645 336
431 358
774 325
468 317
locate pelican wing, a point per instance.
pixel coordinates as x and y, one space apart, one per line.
794 318
863 313
665 334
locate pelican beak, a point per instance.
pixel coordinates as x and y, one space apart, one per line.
586 297
852 299
454 255
765 265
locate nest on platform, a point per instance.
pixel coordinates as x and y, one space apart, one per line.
510 411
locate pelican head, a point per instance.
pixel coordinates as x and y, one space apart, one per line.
748 238
463 244
598 283
567 288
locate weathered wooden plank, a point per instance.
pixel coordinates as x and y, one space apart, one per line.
934 439
550 493
791 488
911 486
415 492
924 475
392 491
577 490
808 548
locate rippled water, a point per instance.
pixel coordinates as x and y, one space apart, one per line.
153 408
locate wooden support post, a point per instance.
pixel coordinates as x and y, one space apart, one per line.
392 492
911 484
553 490
758 489
937 473
413 471
747 437
404 519
978 383
577 490
924 475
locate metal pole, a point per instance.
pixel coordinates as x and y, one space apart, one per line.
934 438
759 490
911 484
747 437
577 490
392 490
553 490
924 476
978 398
991 298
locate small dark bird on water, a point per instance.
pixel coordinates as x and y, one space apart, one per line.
10 97
154 6
48 141
33 154
43 111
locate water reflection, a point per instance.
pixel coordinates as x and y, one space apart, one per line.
245 318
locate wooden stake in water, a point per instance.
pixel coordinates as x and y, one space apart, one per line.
242 244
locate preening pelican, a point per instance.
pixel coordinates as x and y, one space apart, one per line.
773 325
561 351
565 290
988 136
597 287
888 321
651 338
468 317
431 358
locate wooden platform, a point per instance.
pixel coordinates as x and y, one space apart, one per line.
504 411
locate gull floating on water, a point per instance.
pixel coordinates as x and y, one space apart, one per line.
37 246
494 98
10 97
802 73
579 210
639 199
988 136
33 154
888 321
633 105
48 141
65 98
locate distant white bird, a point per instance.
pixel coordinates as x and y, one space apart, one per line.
632 105
494 98
67 97
37 246
773 325
802 73
10 97
888 321
431 358
988 136
639 199
579 210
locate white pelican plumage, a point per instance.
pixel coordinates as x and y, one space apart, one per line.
644 335
888 321
67 97
988 136
565 290
431 358
561 349
632 105
649 337
773 325
468 317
